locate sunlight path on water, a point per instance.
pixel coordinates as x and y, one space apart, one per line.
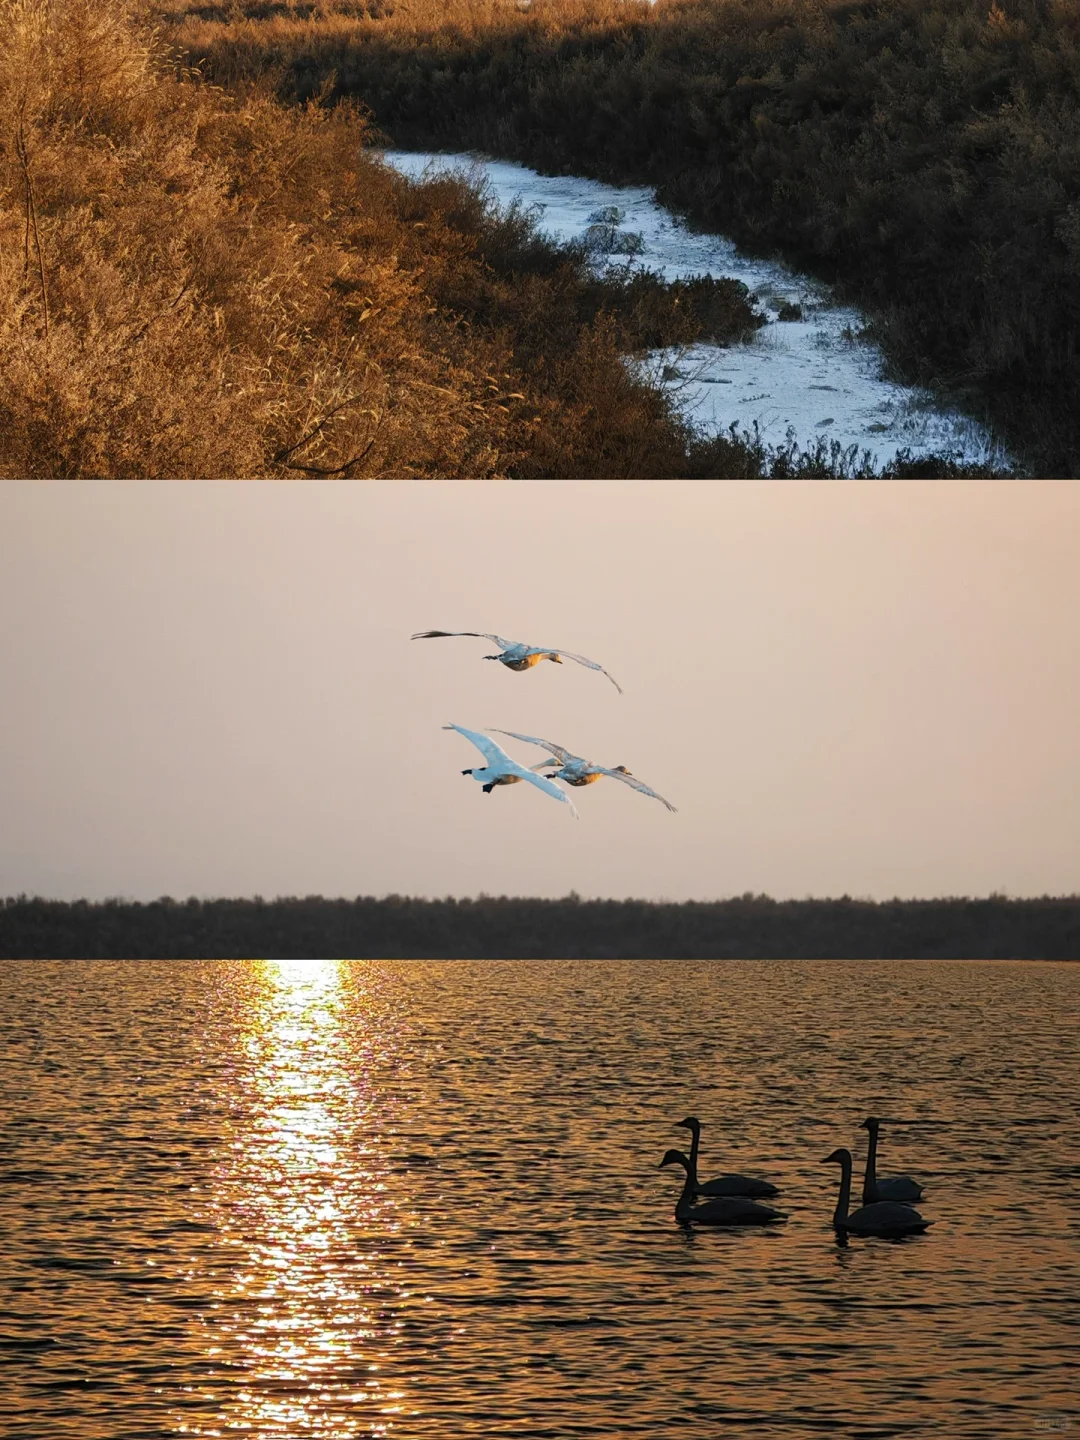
811 376
300 1186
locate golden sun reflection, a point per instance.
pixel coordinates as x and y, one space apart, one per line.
305 1312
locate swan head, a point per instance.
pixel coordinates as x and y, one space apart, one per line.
557 658
870 1123
691 1123
839 1157
674 1157
621 769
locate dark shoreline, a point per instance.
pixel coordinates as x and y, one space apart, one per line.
396 927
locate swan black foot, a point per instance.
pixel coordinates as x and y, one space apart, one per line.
487 789
466 772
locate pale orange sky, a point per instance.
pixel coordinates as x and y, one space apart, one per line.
863 688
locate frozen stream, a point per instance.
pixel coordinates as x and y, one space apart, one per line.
812 376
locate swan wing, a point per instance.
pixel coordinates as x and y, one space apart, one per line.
558 751
569 655
734 1211
548 786
591 664
477 634
899 1187
744 1185
636 784
494 754
884 1216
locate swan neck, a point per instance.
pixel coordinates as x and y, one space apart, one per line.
841 1213
869 1189
685 1202
695 1141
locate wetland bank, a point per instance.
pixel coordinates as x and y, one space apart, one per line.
924 155
267 301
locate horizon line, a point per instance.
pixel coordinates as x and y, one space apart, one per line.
572 896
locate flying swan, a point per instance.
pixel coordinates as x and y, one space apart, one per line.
722 1210
723 1184
501 770
515 654
576 771
883 1217
900 1187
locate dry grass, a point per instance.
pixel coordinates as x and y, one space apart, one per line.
201 284
224 296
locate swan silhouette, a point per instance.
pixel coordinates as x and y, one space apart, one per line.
501 770
723 1184
516 655
721 1210
883 1217
899 1187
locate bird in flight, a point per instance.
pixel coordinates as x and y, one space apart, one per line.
515 654
575 771
499 769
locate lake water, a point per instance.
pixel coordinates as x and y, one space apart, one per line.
420 1199
815 376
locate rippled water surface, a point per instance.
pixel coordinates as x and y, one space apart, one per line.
331 1198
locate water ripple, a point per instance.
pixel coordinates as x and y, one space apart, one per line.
360 1199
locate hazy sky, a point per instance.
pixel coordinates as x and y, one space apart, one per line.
868 688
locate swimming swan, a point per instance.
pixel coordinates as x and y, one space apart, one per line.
501 770
515 654
723 1184
884 1217
726 1210
575 771
900 1187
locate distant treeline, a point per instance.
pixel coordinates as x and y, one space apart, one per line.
396 927
924 152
